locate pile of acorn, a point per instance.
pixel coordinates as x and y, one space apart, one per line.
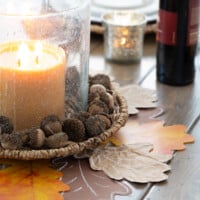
77 127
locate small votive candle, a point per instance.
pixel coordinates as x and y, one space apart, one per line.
123 36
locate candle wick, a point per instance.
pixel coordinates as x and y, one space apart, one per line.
37 60
19 62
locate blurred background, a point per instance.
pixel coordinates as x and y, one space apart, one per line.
149 7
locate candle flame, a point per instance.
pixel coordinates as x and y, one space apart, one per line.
123 41
125 32
38 51
29 55
19 62
23 55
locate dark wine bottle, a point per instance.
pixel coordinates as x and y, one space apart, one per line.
177 38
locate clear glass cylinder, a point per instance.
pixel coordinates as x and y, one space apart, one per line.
29 81
123 36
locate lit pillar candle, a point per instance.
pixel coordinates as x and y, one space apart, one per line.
32 81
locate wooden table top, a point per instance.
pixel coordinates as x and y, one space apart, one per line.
182 106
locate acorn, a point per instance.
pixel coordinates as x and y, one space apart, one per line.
97 106
74 103
115 98
101 79
24 135
73 75
68 109
82 116
105 98
57 140
94 125
93 97
70 105
37 138
111 102
106 119
68 112
75 129
97 88
51 125
11 141
5 125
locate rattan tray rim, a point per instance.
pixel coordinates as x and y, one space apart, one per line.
73 148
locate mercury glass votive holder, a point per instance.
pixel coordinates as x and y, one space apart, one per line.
44 53
123 36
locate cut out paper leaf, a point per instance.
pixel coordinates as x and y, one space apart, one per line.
148 115
132 162
138 97
30 180
164 138
88 184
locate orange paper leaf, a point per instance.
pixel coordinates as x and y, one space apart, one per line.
32 180
164 138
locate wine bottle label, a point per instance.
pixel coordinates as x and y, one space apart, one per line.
167 25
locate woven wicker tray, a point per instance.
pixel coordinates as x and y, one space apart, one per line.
73 148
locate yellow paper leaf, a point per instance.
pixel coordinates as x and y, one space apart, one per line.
30 180
164 138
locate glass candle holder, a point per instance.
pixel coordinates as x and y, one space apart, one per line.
44 53
123 36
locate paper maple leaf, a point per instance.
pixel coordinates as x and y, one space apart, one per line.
164 138
85 183
133 162
30 180
138 97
